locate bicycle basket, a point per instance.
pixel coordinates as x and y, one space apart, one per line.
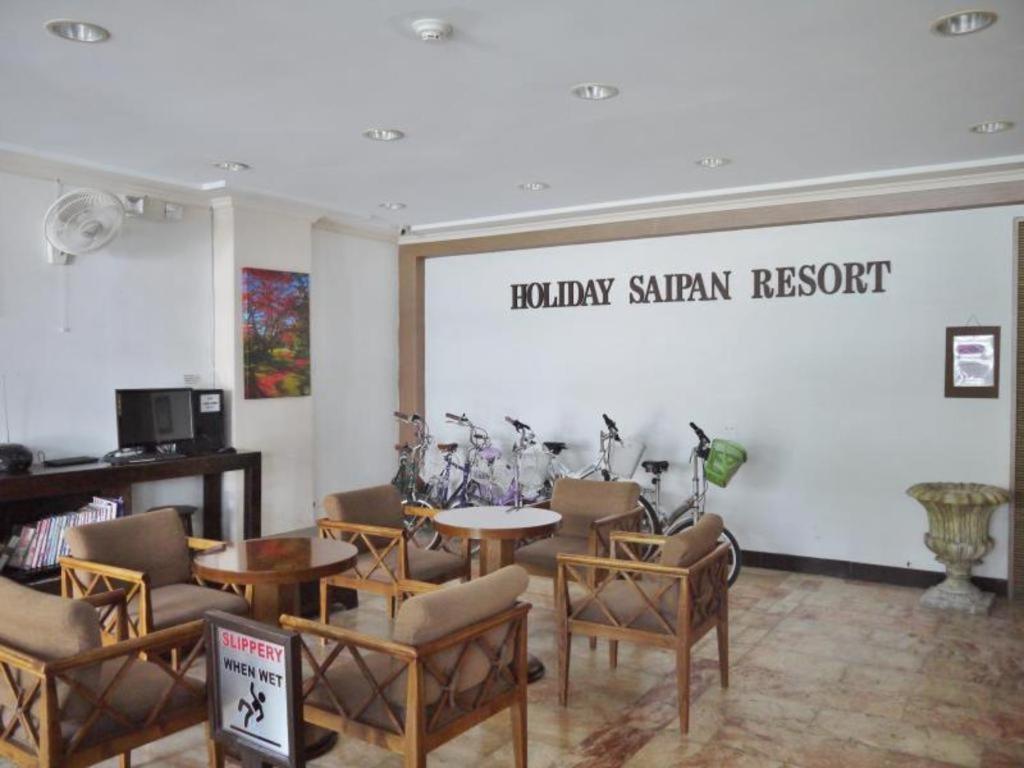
723 461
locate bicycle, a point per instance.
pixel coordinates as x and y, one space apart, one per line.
408 480
604 464
692 508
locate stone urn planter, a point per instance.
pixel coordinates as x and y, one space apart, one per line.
958 517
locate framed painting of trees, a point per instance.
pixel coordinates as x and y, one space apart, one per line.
275 333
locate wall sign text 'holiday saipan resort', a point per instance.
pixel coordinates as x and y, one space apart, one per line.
828 279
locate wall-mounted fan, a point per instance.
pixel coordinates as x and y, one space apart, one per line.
81 222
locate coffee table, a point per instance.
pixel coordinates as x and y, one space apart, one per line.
498 529
275 567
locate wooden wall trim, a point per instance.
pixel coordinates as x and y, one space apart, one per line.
892 204
411 347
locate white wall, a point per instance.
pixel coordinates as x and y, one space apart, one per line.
282 428
838 399
355 352
139 315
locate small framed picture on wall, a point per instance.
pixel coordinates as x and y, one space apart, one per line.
972 361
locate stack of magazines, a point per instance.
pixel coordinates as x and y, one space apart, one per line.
40 544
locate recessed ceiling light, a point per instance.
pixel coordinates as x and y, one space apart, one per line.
432 30
713 162
992 126
534 186
232 165
77 31
594 91
964 23
383 134
389 206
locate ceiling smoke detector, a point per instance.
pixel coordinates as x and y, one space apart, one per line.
234 166
392 206
534 186
432 30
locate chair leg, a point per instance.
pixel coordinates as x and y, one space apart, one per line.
325 602
391 606
683 685
723 650
518 712
415 757
564 657
125 760
613 653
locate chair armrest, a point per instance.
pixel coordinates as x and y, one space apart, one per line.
648 541
414 510
348 637
101 569
413 587
380 531
603 522
162 640
614 564
203 545
105 599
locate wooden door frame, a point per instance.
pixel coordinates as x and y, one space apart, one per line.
412 258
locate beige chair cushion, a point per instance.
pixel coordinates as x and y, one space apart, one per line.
628 607
181 603
153 542
379 505
580 502
46 627
541 556
691 544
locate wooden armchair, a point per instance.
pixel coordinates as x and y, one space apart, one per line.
66 700
670 604
373 519
590 511
456 657
149 556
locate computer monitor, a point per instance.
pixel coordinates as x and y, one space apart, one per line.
149 417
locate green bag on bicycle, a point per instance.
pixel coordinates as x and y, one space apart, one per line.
723 460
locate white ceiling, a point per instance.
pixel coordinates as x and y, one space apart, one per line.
789 89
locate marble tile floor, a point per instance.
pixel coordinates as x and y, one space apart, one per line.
825 672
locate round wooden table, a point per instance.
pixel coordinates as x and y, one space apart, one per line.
498 529
275 567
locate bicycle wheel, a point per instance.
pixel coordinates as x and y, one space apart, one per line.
735 554
453 544
424 535
650 522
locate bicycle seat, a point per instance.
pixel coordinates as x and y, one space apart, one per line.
655 467
555 448
447 447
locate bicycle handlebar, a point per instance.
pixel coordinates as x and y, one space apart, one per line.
518 425
457 419
613 430
700 433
